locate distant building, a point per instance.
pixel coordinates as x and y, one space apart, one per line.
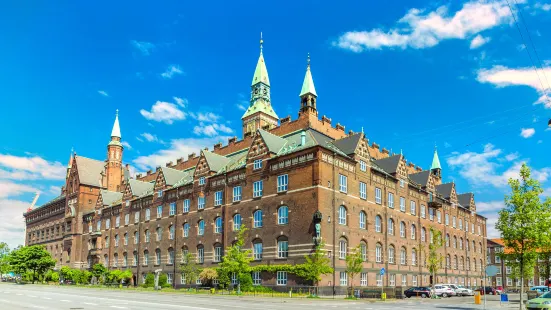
291 182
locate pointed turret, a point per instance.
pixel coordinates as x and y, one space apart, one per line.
261 73
70 164
113 167
116 132
435 168
308 95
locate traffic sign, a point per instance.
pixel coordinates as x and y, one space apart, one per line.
382 271
491 271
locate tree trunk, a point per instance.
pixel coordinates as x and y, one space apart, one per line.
521 307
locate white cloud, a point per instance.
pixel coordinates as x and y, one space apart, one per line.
171 71
241 107
181 101
10 189
205 117
511 157
149 137
527 132
211 129
103 93
126 145
543 6
545 100
491 221
144 47
12 227
478 41
166 112
490 206
30 168
54 190
421 28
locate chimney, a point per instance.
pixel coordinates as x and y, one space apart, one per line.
339 127
385 151
325 119
285 120
232 140
190 156
179 160
169 164
303 138
218 146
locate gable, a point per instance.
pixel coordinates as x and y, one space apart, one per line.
202 166
453 194
402 171
431 184
362 149
127 190
160 181
258 148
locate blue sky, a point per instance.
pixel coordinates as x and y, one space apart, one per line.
411 73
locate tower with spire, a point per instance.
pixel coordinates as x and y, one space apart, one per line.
308 95
435 168
113 168
260 113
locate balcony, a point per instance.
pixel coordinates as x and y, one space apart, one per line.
95 251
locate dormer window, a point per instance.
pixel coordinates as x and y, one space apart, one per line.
160 193
402 183
127 203
257 164
363 165
202 181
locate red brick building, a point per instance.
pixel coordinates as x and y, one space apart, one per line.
280 180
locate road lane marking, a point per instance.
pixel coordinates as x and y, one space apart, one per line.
90 303
46 298
19 294
118 307
65 300
31 296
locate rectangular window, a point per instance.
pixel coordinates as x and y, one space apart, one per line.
282 183
363 165
392 280
472 228
283 249
402 183
379 280
431 214
200 255
234 279
108 224
172 210
363 190
126 219
390 201
438 216
169 278
202 181
98 226
118 221
343 278
414 280
218 254
479 230
460 224
378 196
257 164
343 183
257 251
499 283
282 278
257 280
423 211
446 219
257 189
454 222
160 194
136 217
200 203
237 193
186 205
412 207
498 259
402 204
218 198
363 279
404 280
159 212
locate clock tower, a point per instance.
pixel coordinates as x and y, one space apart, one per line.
260 113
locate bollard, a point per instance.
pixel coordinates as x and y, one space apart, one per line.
383 296
477 298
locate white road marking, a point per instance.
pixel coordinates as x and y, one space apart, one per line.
118 307
19 294
46 298
90 303
65 300
32 296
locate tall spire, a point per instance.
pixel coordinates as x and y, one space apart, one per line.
261 73
435 161
308 95
116 132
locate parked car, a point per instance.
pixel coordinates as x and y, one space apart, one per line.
540 289
460 290
500 290
421 291
486 290
444 291
541 302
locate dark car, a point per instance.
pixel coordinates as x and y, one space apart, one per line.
486 290
422 292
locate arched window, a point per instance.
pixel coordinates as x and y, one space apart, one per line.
218 225
447 240
402 229
413 232
363 220
157 257
455 262
423 234
342 215
448 262
462 263
378 224
468 260
391 253
115 260
480 247
257 249
474 246
186 230
135 258
474 264
390 227
146 257
171 232
236 222
454 242
403 256
414 257
170 256
159 233
283 215
363 250
125 238
116 240
136 237
343 247
201 228
218 252
378 253
431 236
185 254
200 254
147 235
467 245
461 243
282 247
257 219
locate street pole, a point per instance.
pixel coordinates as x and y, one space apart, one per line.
484 289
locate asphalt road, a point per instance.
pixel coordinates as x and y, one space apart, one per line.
14 296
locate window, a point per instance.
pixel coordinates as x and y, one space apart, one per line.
236 222
431 214
390 227
343 183
157 257
378 226
391 254
237 193
342 248
170 256
404 280
146 257
282 183
135 259
257 164
402 204
461 243
256 278
423 234
363 165
438 216
115 260
159 233
363 190
186 230
136 237
391 200
136 217
218 198
412 207
147 235
363 279
202 181
218 253
460 224
186 206
257 219
379 280
378 195
147 214
98 225
108 224
200 203
414 280
454 242
466 226
402 183
283 215
172 210
125 238
363 220
116 240
342 215
454 222
169 278
282 278
392 279
257 189
413 232
171 232
498 259
423 214
159 211
201 228
234 280
218 225
200 254
446 219
402 229
126 219
160 193
447 240
414 257
363 250
282 248
403 256
107 242
379 253
257 250
118 221
343 278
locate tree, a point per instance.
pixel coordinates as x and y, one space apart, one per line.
189 268
316 265
208 275
354 264
31 258
4 265
523 223
434 257
99 271
236 260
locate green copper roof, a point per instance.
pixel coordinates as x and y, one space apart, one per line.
435 161
260 106
261 73
215 161
308 84
116 132
273 142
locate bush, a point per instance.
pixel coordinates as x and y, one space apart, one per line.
246 282
149 280
163 280
55 277
207 276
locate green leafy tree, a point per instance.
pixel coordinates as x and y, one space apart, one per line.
434 256
163 280
523 223
316 265
189 268
354 264
99 271
31 258
55 277
4 264
149 280
208 275
237 260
